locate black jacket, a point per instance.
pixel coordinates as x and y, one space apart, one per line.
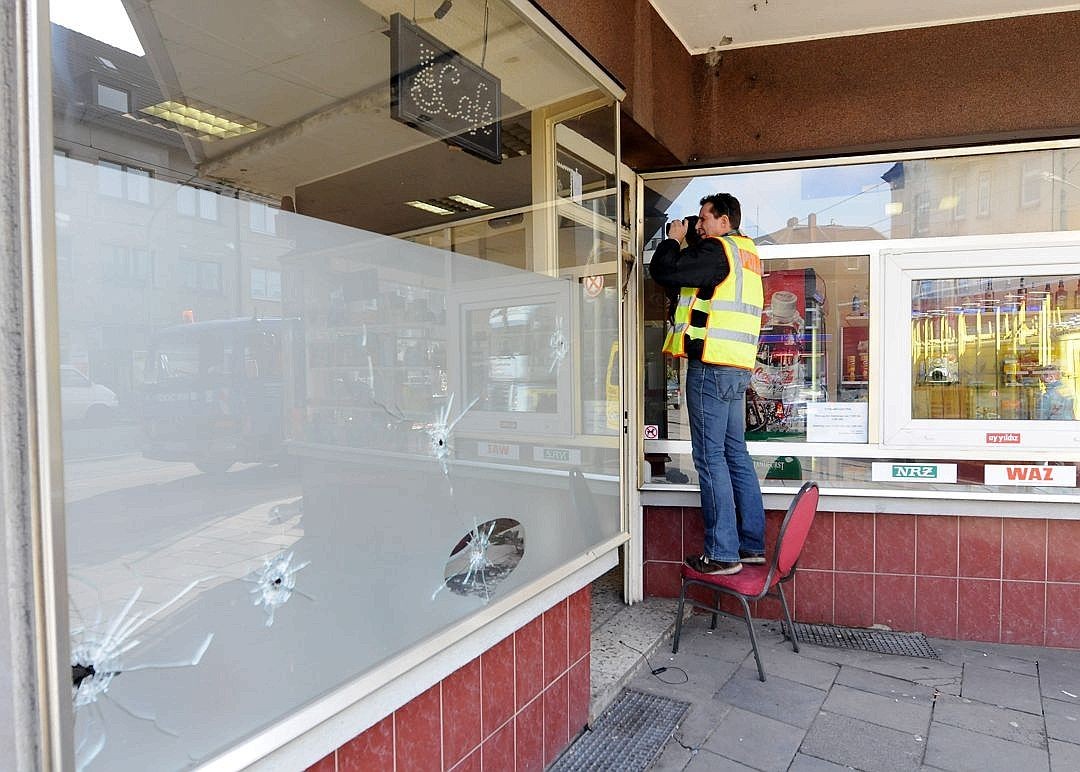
701 265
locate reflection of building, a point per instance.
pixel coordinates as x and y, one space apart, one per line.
812 233
968 196
115 185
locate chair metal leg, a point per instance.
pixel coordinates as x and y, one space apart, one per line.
753 637
716 605
678 619
787 616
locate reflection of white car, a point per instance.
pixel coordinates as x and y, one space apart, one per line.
83 400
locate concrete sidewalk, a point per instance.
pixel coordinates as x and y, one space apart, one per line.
980 707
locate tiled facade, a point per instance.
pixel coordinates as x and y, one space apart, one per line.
1004 580
512 709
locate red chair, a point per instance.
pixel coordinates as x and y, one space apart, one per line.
755 582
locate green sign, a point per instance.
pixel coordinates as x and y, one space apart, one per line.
915 471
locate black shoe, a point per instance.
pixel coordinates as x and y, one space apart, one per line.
703 565
751 557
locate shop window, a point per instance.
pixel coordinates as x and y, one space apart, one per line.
262 218
996 348
458 390
127 265
958 199
984 194
201 275
112 98
197 202
265 284
1032 178
122 181
812 376
921 223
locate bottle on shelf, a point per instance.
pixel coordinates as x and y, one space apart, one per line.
1061 296
1076 295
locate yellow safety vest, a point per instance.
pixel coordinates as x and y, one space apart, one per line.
733 313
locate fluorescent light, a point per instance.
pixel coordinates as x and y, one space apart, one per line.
199 121
429 207
470 202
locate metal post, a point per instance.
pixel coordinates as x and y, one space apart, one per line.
35 702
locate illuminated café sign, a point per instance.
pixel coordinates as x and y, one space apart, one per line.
891 471
1030 474
1003 438
438 91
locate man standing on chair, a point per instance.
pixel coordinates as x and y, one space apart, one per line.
717 323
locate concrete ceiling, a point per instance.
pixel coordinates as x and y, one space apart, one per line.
316 74
708 26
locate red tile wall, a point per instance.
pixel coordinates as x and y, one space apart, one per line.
1004 580
512 709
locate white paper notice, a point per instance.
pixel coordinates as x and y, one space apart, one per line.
836 421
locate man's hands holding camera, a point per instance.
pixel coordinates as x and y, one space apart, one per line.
676 229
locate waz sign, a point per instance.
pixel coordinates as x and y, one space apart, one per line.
437 90
1063 476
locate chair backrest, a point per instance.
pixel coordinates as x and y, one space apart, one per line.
795 528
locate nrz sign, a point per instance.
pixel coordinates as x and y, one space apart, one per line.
438 91
890 471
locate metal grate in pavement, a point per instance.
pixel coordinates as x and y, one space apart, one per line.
880 641
629 735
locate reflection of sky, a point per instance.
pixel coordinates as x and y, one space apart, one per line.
104 20
844 195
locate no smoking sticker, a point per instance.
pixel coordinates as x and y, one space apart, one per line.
593 285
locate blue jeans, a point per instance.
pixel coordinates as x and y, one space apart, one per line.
730 494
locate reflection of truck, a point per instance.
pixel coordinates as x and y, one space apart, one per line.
212 393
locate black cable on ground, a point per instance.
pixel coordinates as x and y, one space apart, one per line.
656 671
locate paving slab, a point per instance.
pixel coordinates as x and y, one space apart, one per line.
1059 679
785 663
987 655
961 750
1004 723
777 698
932 672
707 761
729 641
674 758
859 744
1064 757
700 722
894 712
704 675
886 686
1000 687
755 740
804 763
1062 720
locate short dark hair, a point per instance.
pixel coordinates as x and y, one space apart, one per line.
725 203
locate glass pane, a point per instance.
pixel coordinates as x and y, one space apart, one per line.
811 379
511 362
999 348
962 477
278 432
1020 192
